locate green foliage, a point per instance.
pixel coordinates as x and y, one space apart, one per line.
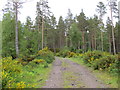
91 56
28 38
75 35
1 38
45 54
37 61
82 22
71 54
45 65
8 35
102 61
79 51
63 52
77 40
10 70
16 75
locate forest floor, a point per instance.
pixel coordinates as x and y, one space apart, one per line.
68 74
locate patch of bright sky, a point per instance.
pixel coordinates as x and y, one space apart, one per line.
60 8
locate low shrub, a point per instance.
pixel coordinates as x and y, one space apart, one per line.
13 71
57 54
16 75
42 55
90 56
64 53
104 62
45 54
71 54
10 68
38 61
79 51
115 67
101 61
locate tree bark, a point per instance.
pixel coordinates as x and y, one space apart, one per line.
42 31
92 43
16 29
102 40
66 41
113 37
109 43
38 35
60 40
83 39
95 41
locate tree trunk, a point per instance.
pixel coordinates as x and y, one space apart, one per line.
102 40
66 41
79 45
92 43
70 42
113 37
54 45
95 41
42 31
109 43
60 40
38 36
83 39
16 29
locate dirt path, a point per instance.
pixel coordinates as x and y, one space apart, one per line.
68 74
55 79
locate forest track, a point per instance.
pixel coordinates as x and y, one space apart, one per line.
68 74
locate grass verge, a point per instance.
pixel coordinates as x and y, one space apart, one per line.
37 76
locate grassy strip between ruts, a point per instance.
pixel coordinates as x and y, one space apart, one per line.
70 79
107 78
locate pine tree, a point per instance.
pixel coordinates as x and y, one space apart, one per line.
43 12
68 22
61 28
109 32
112 4
82 25
101 9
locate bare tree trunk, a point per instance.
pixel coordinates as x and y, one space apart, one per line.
54 45
60 40
38 36
102 40
66 41
113 37
42 31
95 42
92 42
16 29
70 42
83 39
109 44
79 45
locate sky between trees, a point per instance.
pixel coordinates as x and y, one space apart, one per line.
59 8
